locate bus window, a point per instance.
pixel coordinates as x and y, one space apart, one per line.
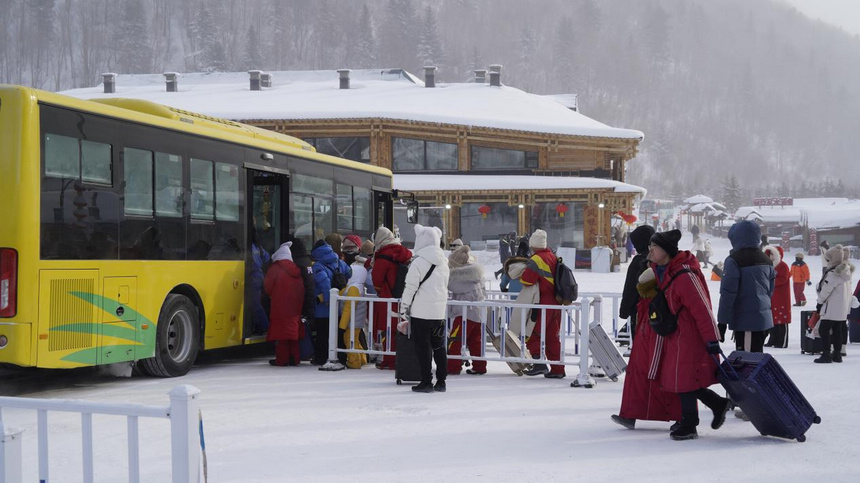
202 196
137 179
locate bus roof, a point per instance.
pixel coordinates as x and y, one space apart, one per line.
154 114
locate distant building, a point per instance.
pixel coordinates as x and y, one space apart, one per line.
483 158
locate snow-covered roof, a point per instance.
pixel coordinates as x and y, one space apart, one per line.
374 94
821 213
698 199
707 207
463 182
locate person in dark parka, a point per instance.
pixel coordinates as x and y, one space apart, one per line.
746 289
640 237
304 262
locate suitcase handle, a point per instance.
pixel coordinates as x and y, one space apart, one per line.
720 366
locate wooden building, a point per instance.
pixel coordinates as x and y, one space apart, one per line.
483 159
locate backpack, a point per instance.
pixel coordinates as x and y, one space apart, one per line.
661 318
400 278
566 288
338 278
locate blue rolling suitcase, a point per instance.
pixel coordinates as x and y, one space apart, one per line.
759 385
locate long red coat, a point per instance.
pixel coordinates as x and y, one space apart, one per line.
285 286
642 397
780 301
685 364
384 275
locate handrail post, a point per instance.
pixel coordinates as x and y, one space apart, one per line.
184 436
583 379
333 324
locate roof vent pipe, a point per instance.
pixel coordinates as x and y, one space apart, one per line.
172 80
429 76
480 76
255 79
496 75
344 78
265 80
109 82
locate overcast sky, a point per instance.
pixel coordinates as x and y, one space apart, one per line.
842 13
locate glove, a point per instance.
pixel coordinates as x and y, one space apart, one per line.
809 282
505 289
713 347
818 309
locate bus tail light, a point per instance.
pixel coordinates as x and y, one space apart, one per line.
8 282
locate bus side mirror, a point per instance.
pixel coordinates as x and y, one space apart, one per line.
412 211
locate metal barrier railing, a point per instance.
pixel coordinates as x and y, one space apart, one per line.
184 433
495 310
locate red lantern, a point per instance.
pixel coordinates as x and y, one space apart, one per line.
561 209
484 210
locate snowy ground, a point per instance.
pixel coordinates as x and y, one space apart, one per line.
268 424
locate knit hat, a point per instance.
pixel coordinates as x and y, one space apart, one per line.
456 244
668 241
537 240
799 255
834 256
336 242
640 237
367 248
283 252
460 257
351 244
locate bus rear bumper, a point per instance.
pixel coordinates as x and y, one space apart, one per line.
18 349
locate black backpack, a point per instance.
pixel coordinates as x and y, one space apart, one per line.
338 278
566 288
400 278
661 318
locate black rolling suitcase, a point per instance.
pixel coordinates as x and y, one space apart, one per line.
768 397
406 361
808 345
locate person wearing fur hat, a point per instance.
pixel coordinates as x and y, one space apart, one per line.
780 301
640 237
801 277
353 314
466 282
746 288
388 254
285 286
326 265
834 302
540 271
684 362
513 268
423 307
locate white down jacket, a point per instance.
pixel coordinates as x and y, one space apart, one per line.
431 300
834 293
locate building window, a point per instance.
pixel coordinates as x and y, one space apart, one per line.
417 155
561 231
355 149
502 159
480 222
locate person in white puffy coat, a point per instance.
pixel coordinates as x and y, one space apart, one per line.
834 302
424 304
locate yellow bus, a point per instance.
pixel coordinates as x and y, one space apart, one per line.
125 227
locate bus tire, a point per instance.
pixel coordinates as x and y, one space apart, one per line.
177 339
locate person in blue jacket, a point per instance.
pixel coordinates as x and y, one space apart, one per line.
260 259
746 288
326 265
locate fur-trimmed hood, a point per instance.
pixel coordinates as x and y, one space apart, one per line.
466 273
844 271
774 254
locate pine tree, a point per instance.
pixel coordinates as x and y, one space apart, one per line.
429 46
562 58
131 39
732 197
397 34
210 55
253 58
365 48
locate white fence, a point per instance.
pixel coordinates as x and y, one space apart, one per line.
184 434
498 312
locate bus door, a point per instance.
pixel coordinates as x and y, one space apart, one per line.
268 227
384 216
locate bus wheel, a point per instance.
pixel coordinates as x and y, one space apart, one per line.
177 339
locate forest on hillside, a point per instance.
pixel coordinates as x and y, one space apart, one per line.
743 90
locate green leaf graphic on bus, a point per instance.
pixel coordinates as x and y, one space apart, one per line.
142 341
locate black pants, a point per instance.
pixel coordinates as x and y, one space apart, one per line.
429 339
778 336
756 340
688 403
831 333
319 334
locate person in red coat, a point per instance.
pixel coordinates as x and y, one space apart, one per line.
388 254
642 397
686 360
780 301
286 287
540 270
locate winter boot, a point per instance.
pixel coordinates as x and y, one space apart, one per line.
687 430
675 426
537 370
440 386
720 411
837 357
824 359
424 387
626 422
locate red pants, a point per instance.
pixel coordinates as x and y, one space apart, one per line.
553 343
287 352
381 321
474 342
798 293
